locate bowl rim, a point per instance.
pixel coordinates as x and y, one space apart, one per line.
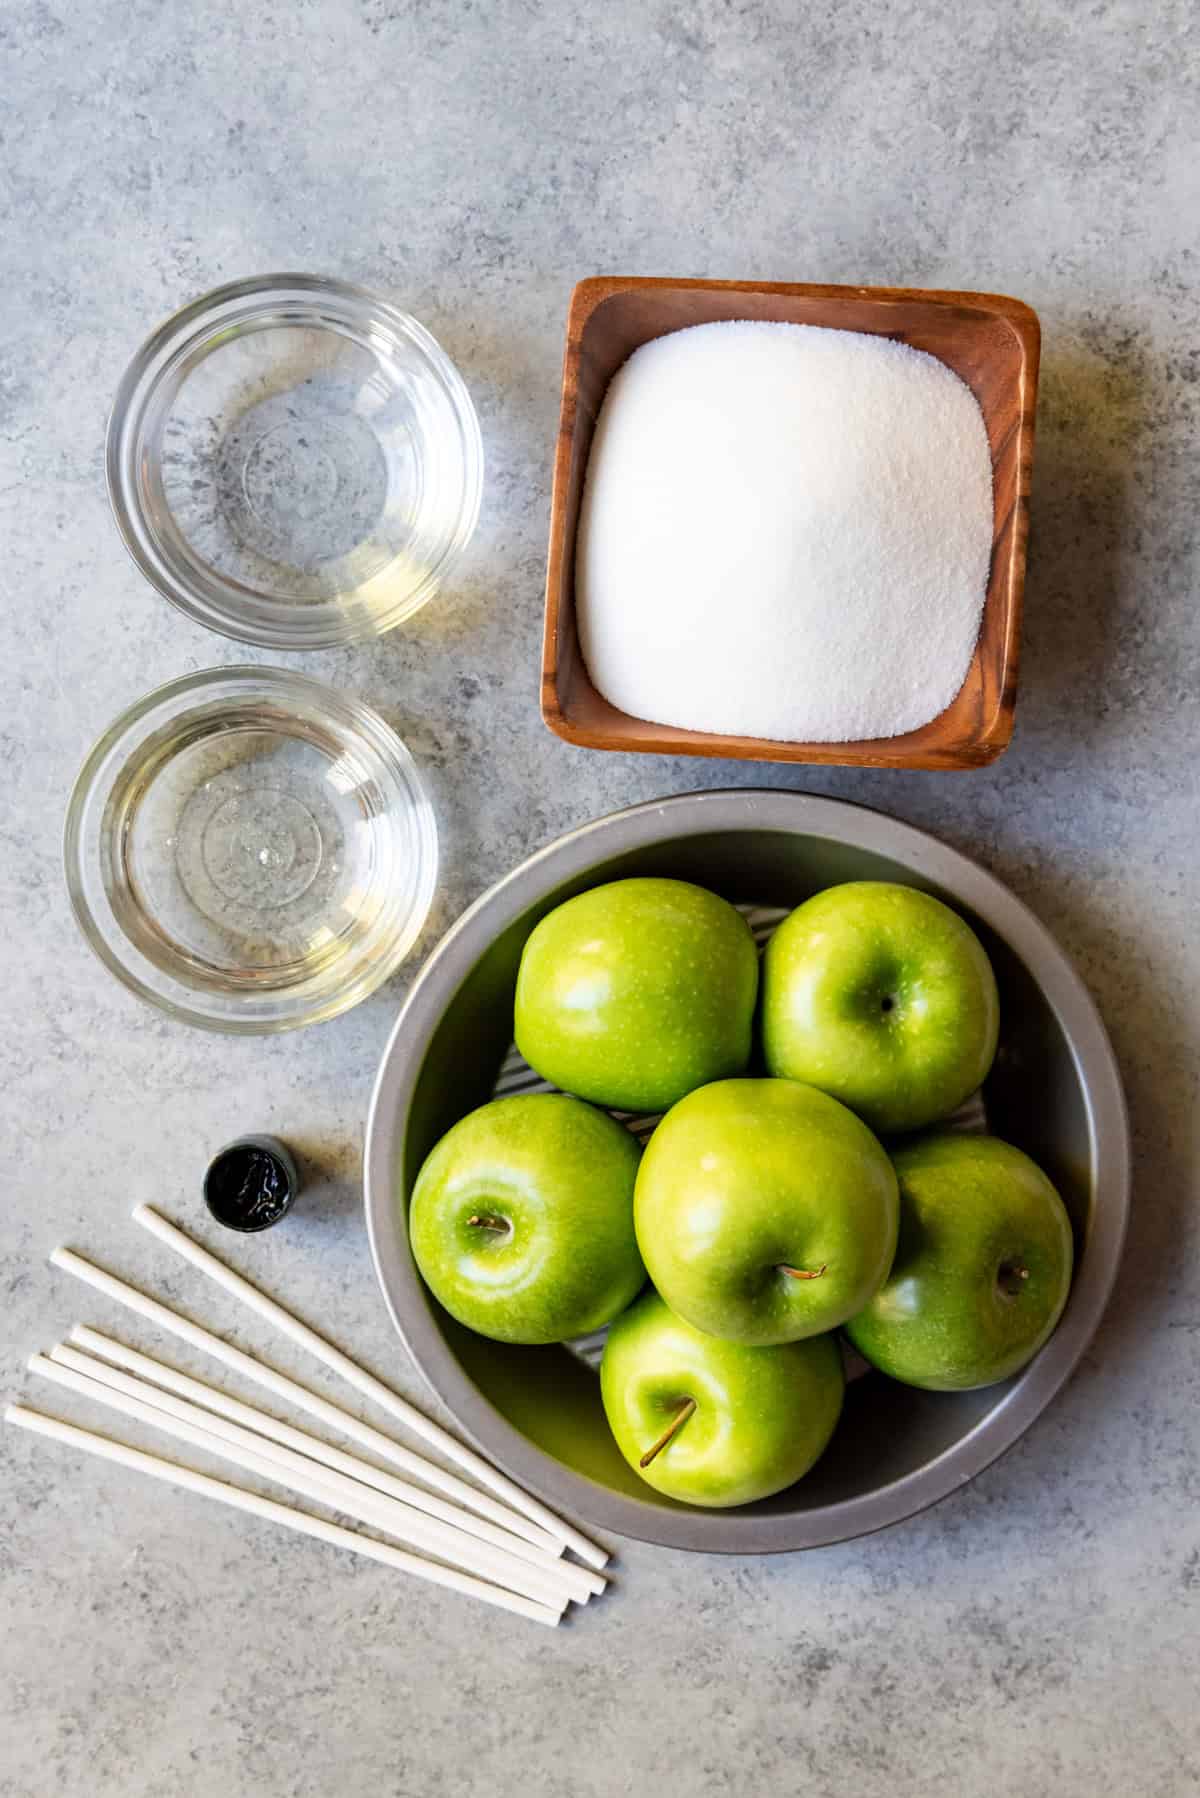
673 820
125 736
321 301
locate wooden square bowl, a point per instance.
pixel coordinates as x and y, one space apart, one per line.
991 342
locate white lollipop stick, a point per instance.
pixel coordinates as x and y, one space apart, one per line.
332 1415
67 1367
366 1383
578 1581
268 1508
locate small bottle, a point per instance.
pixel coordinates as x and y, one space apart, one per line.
251 1183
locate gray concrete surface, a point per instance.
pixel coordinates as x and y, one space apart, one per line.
1035 1635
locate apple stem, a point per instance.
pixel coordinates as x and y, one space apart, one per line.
805 1273
485 1221
1009 1279
677 1422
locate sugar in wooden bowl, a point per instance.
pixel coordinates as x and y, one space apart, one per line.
785 533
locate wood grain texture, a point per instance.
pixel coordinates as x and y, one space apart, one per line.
991 341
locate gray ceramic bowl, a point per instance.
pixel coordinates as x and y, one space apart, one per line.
1055 1091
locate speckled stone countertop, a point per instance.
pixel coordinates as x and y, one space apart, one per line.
1036 1634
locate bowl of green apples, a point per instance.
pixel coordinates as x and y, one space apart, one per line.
746 1171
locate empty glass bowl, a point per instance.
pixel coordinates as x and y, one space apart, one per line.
250 850
294 462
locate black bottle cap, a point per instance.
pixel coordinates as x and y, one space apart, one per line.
251 1183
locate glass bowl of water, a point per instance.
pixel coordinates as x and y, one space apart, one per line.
294 462
250 850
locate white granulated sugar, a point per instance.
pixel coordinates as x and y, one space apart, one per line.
785 533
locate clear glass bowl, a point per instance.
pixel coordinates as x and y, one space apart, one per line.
294 462
250 850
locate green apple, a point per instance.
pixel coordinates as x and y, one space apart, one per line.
884 997
982 1270
765 1211
521 1219
633 993
715 1423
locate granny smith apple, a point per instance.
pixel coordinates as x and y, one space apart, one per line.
884 997
633 993
715 1423
982 1270
521 1219
765 1211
